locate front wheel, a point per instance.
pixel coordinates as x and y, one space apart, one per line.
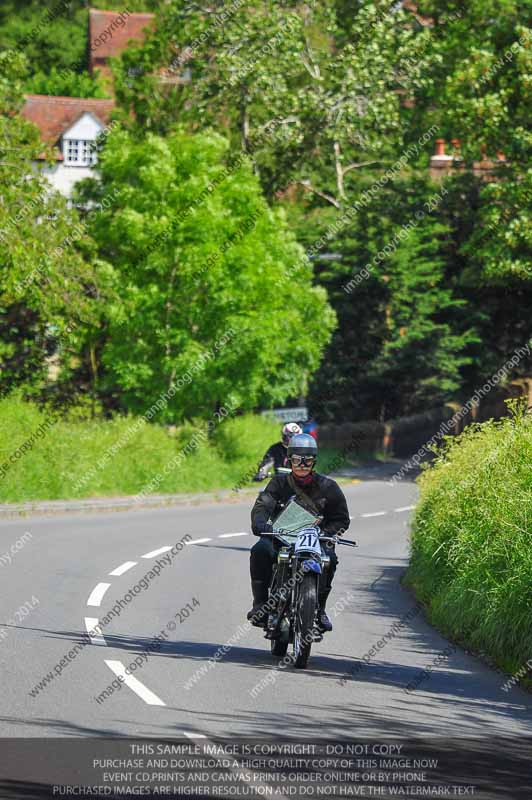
304 620
279 645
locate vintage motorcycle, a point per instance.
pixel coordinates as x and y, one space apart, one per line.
302 562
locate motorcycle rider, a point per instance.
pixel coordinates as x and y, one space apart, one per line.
320 494
277 453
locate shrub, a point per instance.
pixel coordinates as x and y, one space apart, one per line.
471 540
44 457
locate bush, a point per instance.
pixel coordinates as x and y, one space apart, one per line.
43 457
245 439
471 547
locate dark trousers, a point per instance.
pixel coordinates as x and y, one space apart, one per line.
264 554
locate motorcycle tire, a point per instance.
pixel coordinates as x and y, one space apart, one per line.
279 646
304 620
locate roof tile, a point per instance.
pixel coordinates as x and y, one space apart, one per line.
120 27
54 115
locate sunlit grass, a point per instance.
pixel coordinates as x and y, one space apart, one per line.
472 539
66 460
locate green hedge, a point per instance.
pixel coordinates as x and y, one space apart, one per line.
64 453
471 557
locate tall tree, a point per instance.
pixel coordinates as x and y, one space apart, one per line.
46 285
481 93
337 101
404 333
200 259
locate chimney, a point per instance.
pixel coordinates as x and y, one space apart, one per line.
440 163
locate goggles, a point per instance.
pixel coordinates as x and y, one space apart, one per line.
302 461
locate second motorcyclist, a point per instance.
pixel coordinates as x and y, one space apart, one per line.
277 455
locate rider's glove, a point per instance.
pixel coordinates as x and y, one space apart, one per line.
327 544
266 527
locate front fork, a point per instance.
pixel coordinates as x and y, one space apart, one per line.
281 590
299 569
288 596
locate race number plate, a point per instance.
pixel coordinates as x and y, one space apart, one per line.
308 540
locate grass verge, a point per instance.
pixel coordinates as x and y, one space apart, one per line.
471 560
46 458
43 457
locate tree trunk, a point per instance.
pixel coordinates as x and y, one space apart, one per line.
339 171
244 119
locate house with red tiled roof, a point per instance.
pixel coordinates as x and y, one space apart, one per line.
110 33
71 125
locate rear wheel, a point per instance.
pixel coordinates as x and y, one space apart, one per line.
304 621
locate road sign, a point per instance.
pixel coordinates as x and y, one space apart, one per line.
288 414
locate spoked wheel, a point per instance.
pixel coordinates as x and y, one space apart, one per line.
279 646
304 621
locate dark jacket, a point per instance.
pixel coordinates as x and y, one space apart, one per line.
279 453
324 492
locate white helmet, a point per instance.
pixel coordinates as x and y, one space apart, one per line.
289 430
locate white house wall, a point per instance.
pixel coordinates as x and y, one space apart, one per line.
63 178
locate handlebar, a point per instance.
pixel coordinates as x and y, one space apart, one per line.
336 539
266 472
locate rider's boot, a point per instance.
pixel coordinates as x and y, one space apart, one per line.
324 623
258 615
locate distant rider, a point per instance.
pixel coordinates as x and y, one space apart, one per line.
323 493
277 456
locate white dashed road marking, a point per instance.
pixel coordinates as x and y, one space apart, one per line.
96 638
158 552
123 568
194 735
198 541
134 684
97 594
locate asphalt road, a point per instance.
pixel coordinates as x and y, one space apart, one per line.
62 575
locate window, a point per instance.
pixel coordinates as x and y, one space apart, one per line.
79 152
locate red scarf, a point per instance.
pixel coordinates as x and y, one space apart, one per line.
306 481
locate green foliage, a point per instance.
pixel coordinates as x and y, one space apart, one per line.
66 83
343 388
501 245
404 335
53 35
337 100
471 556
47 286
244 440
313 69
484 85
421 360
62 458
482 94
335 79
61 43
200 262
